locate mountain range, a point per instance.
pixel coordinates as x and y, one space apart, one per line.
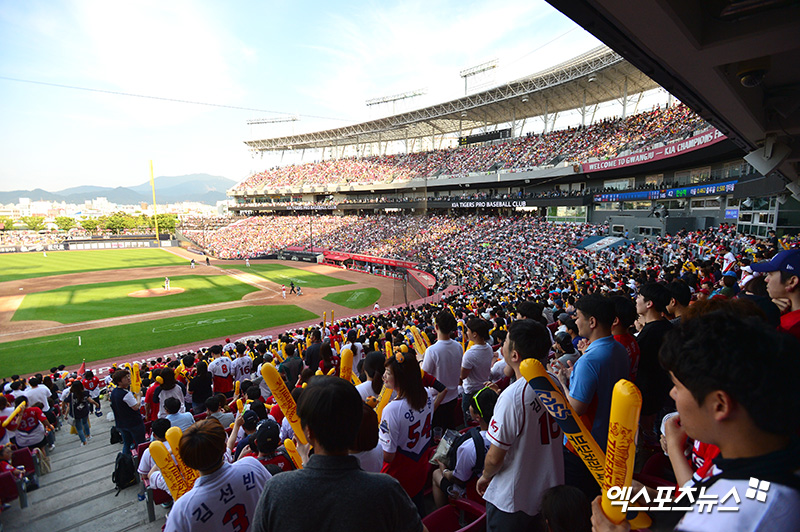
202 188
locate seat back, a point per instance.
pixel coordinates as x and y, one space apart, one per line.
24 457
447 518
8 487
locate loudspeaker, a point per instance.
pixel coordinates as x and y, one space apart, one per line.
766 161
794 188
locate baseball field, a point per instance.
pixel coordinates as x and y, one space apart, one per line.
113 305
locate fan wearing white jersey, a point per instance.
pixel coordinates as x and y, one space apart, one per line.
225 495
243 365
405 429
525 457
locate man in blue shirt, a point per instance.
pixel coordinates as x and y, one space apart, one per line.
592 381
172 406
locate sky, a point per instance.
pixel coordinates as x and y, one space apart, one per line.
251 59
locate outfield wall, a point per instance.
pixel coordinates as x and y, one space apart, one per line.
67 245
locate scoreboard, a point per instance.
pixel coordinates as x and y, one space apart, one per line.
485 137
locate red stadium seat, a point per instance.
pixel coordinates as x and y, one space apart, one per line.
12 488
450 518
24 457
154 496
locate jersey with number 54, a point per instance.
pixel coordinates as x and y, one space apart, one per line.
407 432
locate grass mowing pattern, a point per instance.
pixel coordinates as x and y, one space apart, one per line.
355 299
30 265
278 273
74 304
38 354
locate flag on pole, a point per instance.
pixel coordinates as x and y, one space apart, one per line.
82 369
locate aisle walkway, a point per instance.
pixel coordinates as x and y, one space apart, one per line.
78 495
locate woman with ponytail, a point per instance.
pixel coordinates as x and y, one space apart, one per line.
373 369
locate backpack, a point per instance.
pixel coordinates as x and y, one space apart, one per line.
80 410
116 436
273 464
124 474
480 450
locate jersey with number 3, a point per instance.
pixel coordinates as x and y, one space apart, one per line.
407 432
223 501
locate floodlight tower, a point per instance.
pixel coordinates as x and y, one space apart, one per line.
276 120
474 71
395 98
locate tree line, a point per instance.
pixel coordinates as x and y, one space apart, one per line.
117 223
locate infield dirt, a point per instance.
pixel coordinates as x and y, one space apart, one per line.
269 293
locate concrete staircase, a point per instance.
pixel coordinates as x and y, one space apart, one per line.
78 495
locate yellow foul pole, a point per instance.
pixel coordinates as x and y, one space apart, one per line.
155 214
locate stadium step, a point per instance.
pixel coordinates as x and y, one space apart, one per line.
78 494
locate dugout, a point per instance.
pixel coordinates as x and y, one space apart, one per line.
421 282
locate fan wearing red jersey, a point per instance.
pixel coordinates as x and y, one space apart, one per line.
32 428
220 370
92 386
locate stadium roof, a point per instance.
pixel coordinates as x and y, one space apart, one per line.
598 76
733 62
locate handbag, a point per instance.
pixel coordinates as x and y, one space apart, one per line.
42 463
440 455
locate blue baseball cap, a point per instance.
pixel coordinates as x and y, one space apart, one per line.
785 261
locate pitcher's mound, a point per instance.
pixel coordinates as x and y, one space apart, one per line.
156 292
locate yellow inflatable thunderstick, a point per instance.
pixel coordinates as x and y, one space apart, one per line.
383 400
576 432
284 399
293 454
626 405
558 406
7 421
178 476
136 379
346 365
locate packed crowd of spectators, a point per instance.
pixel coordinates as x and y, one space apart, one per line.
527 291
29 239
206 222
603 139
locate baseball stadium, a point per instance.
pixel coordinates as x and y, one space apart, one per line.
665 210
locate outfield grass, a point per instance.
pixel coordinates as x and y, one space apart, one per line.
278 273
74 304
37 354
30 265
355 299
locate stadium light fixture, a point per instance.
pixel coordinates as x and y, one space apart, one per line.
276 120
396 97
483 67
592 79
